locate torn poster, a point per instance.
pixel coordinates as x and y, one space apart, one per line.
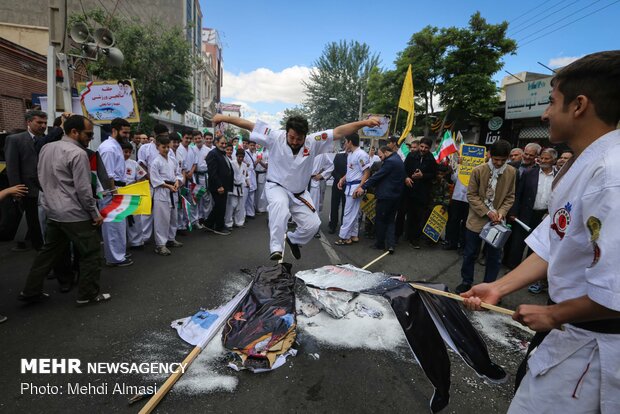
428 322
261 330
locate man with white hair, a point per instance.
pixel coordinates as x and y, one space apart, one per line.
516 155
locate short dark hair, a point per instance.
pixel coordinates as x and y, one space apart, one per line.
196 132
175 137
160 129
500 148
240 151
57 121
162 140
384 148
426 141
77 122
35 112
298 124
394 139
208 133
119 123
596 76
126 145
251 142
354 138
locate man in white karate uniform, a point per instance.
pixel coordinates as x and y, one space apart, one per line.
186 153
321 172
358 171
201 174
115 234
291 153
575 368
262 164
250 160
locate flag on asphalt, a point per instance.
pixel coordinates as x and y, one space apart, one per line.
122 206
445 148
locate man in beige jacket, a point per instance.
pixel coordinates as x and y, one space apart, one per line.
491 193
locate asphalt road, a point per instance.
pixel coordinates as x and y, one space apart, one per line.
134 327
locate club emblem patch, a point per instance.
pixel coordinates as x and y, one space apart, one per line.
317 138
561 220
324 136
594 226
306 151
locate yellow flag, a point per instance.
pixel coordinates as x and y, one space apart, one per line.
406 103
143 189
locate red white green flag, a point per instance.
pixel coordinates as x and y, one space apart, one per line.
445 148
94 177
121 207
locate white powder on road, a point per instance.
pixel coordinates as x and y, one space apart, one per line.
497 328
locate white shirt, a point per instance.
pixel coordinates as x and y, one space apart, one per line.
250 160
200 156
544 190
240 175
286 169
357 162
113 159
323 165
133 171
147 153
187 154
163 169
579 240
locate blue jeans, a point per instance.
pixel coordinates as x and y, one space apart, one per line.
470 254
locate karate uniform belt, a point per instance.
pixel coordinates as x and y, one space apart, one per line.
353 182
119 183
171 193
297 196
201 172
604 326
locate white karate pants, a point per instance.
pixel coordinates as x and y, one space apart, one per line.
134 232
282 204
249 202
260 201
164 222
114 237
350 223
235 211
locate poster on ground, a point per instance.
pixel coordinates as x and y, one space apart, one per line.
436 223
471 157
103 101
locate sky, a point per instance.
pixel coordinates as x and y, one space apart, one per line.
269 46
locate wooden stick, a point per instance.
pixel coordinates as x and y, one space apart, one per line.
375 261
460 299
172 379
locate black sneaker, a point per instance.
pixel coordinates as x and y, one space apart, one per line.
294 249
34 298
124 263
317 235
391 250
463 287
102 297
275 256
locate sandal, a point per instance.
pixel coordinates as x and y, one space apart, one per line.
355 239
343 242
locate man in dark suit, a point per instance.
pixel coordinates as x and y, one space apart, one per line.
420 169
220 184
530 206
338 198
21 165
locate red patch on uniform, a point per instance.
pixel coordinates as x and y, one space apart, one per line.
128 171
561 220
324 136
306 151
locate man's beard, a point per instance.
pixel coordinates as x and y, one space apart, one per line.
295 150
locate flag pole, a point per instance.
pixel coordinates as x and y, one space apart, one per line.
375 261
396 122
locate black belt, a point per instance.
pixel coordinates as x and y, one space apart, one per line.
201 172
171 193
119 183
261 172
297 196
604 326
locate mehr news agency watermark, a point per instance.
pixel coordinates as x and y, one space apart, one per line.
75 366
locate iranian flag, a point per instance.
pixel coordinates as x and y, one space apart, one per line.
197 191
403 151
445 148
122 206
94 176
186 208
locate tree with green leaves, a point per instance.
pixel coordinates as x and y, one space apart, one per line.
299 110
338 82
158 59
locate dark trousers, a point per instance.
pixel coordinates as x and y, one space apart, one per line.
216 218
472 249
457 217
514 252
401 214
385 223
337 206
31 209
416 213
86 241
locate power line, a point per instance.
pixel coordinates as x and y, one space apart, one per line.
527 12
569 23
542 12
547 16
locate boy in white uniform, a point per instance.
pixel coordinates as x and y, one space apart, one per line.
186 153
291 154
262 163
203 206
235 207
133 173
250 159
358 171
321 171
575 369
165 180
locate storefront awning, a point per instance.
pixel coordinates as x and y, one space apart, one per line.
535 132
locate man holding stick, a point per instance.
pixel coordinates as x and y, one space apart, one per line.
291 157
575 248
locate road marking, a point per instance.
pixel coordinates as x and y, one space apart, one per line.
329 250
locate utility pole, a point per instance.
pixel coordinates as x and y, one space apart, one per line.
57 34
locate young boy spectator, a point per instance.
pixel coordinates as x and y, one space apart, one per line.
235 207
133 173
